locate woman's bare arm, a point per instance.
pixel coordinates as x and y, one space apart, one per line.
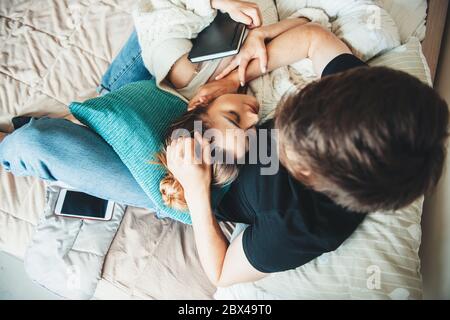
183 70
223 263
303 41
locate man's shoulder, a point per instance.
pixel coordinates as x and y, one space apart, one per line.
341 63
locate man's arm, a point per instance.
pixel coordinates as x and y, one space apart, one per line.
254 47
183 70
274 30
308 40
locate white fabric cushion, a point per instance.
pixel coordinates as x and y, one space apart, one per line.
409 58
365 26
379 261
409 15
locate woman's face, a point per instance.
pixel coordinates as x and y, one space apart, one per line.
235 117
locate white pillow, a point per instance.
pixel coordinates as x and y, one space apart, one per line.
366 27
409 15
409 58
379 260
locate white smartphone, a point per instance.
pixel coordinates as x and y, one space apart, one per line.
80 205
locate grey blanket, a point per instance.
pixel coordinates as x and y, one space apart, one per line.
66 255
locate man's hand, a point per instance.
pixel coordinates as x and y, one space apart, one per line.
245 12
190 163
254 48
212 90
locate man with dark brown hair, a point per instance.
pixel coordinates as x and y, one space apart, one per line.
358 140
369 138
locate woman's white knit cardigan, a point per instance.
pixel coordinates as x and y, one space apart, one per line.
165 27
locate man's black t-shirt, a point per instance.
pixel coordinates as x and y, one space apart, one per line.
290 224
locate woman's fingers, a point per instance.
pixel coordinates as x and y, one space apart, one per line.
241 17
206 152
206 99
195 102
198 147
195 150
230 67
179 149
172 154
199 100
202 100
262 56
260 17
183 152
188 152
204 149
169 154
254 14
241 71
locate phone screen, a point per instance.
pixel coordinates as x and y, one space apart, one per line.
82 204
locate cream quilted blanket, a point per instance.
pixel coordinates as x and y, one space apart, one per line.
54 52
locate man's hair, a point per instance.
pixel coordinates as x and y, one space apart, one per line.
372 138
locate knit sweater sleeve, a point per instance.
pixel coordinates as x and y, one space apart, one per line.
164 28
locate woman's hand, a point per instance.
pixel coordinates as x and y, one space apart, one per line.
210 91
245 12
254 48
189 160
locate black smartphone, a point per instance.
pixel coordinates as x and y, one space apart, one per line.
80 205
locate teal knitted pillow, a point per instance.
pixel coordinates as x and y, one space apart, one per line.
134 120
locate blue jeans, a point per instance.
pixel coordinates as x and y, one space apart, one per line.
126 68
59 150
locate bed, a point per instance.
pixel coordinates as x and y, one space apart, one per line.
54 52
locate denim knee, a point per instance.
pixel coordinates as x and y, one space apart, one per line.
127 67
21 151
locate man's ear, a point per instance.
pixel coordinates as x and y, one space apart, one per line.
287 158
305 172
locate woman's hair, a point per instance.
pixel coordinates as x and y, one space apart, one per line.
222 174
